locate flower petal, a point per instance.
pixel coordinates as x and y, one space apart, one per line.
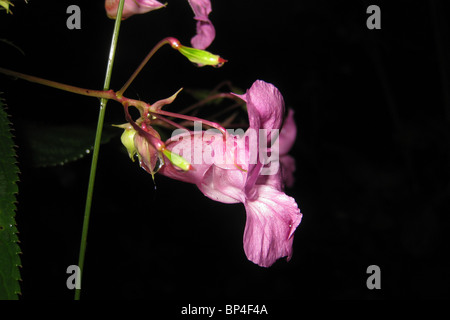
189 146
288 133
205 29
273 180
271 222
131 7
265 105
223 185
213 171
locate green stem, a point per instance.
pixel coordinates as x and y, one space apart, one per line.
98 136
101 94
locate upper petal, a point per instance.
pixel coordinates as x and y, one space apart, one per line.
131 7
265 105
205 29
205 35
271 222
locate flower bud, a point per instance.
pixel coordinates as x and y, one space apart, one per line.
150 159
147 154
127 139
200 57
177 160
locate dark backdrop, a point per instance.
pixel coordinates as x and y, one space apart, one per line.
372 152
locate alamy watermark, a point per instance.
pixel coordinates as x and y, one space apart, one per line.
74 20
74 280
238 148
374 280
374 20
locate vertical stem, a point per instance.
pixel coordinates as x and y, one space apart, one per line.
98 135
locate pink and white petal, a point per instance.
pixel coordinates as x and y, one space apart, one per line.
207 152
189 146
223 185
271 222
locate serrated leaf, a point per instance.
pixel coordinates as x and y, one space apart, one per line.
9 249
53 145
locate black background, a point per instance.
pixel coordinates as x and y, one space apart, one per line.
373 152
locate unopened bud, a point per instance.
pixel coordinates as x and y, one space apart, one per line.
177 160
127 139
150 159
200 57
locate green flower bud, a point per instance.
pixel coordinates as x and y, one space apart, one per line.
127 139
201 57
177 160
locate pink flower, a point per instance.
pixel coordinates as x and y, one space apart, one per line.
202 8
205 29
235 172
131 7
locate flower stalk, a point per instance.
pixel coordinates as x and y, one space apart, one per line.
106 94
200 57
98 135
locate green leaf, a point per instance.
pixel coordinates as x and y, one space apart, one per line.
4 4
53 145
9 249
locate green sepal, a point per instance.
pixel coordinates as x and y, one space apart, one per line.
177 160
201 57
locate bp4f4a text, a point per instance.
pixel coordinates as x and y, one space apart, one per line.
230 309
